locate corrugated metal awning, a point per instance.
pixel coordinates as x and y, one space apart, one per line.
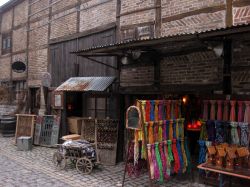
86 84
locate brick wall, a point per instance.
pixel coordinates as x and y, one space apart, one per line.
38 33
194 68
5 68
196 23
241 12
132 5
60 5
37 66
39 8
64 25
7 21
137 76
176 7
96 13
19 39
240 68
19 57
21 13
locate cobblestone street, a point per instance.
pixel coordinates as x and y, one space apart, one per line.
35 168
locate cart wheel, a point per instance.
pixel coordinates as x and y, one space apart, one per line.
84 165
59 161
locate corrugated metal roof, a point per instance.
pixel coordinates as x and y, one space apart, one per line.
155 39
85 84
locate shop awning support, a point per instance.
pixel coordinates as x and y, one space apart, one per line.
99 62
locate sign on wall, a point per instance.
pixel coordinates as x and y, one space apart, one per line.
18 66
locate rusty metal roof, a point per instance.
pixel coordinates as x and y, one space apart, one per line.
137 43
85 84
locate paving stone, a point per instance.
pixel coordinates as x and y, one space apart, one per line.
35 169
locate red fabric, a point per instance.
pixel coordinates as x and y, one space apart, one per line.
168 113
219 110
147 111
176 157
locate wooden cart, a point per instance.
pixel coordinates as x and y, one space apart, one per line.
84 163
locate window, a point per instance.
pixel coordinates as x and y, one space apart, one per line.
6 43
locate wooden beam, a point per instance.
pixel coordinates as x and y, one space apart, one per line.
229 13
99 62
158 18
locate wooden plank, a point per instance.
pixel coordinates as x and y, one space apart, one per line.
25 125
234 174
158 18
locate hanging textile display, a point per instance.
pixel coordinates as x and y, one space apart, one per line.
212 109
225 111
205 110
219 110
163 134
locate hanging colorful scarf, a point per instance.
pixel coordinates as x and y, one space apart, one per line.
146 126
150 161
156 128
234 133
179 116
225 111
227 132
164 110
160 131
143 106
168 163
181 128
156 113
205 110
244 141
172 109
164 160
136 147
176 109
202 151
152 110
160 113
232 111
211 130
176 157
167 129
156 169
148 109
219 128
142 146
130 151
247 112
219 110
208 143
212 110
174 129
171 129
185 161
203 132
168 110
164 136
240 111
177 128
189 166
159 163
151 132
178 146
170 154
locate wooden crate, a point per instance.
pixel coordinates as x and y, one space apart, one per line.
25 125
75 124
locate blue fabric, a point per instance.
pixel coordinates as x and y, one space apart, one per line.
178 145
211 130
152 110
219 128
167 129
174 129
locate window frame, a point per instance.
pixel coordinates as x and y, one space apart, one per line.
6 43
